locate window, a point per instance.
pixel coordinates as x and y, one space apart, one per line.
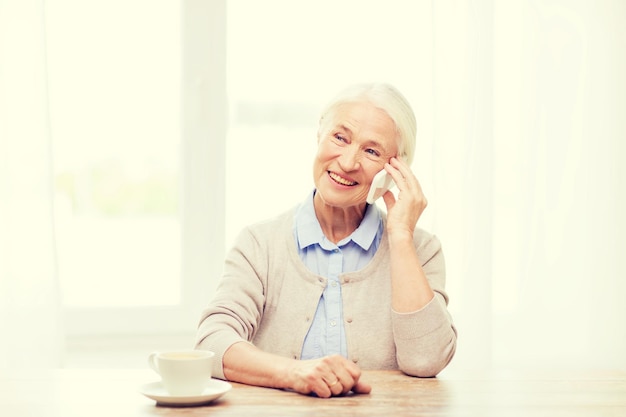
115 102
135 223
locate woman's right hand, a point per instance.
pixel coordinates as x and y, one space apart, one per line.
326 377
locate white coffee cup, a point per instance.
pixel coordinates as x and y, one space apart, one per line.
183 372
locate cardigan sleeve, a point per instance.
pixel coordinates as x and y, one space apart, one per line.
236 310
426 339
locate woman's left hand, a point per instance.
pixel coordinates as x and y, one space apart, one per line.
404 211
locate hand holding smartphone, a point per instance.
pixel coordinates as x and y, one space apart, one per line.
380 184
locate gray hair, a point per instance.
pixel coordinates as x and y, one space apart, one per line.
387 98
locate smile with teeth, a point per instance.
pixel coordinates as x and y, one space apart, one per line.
341 180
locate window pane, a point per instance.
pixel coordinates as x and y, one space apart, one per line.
114 100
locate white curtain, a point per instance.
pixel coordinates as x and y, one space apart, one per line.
529 128
559 115
30 322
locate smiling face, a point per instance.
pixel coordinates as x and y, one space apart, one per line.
355 141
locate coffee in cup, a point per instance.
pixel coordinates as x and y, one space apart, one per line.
183 372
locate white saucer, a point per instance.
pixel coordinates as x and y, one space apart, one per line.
214 390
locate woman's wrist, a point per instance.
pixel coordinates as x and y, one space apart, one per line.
400 237
283 378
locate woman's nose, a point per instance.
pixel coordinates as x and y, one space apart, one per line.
349 160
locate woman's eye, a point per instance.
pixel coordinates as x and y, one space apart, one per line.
339 137
372 152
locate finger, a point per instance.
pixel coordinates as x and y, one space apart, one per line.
396 175
362 388
409 181
336 387
323 392
331 382
400 165
389 199
347 374
353 374
405 171
346 381
392 170
338 381
322 389
349 377
319 382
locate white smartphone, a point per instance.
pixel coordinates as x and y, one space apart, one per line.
380 184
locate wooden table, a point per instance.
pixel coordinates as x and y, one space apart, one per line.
89 393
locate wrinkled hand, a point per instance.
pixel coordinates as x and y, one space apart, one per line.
403 212
327 377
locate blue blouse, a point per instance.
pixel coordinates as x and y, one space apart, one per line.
326 336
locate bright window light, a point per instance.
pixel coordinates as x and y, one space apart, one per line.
115 110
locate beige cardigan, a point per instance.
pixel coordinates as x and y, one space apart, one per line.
268 297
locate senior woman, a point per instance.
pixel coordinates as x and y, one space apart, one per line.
336 285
